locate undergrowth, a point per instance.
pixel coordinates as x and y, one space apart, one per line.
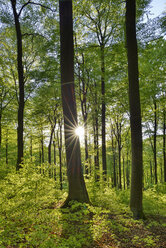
30 215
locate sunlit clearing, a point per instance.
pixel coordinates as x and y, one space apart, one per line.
79 131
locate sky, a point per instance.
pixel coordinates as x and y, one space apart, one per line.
158 6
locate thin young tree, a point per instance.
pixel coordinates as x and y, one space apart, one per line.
77 188
164 135
135 111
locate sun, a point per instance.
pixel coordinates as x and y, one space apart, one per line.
79 131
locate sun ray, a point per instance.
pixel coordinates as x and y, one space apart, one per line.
79 131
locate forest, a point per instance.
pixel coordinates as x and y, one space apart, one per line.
82 124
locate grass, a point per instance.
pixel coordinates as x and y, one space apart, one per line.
30 215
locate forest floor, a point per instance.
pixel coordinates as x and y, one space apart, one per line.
118 230
149 233
31 217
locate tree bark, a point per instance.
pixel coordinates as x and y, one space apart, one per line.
86 145
21 103
164 153
59 138
50 142
118 136
104 162
128 173
0 134
83 98
135 111
54 157
124 181
96 137
151 173
31 148
42 147
155 141
77 188
114 159
7 146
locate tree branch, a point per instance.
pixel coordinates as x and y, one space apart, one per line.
38 4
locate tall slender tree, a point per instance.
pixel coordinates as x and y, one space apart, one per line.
77 188
100 20
164 134
135 111
21 101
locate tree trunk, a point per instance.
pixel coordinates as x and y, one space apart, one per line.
83 99
164 154
114 159
77 188
7 146
59 138
21 103
54 152
96 140
103 112
86 144
54 157
0 133
96 137
161 169
119 159
40 157
50 143
42 148
128 173
154 141
31 151
118 127
124 183
135 111
151 173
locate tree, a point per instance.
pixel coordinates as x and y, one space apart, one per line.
77 188
25 18
83 79
59 140
101 19
21 100
135 111
164 134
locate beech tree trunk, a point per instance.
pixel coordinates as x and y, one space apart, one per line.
118 137
21 103
154 142
128 173
7 146
164 154
0 133
104 162
77 188
54 157
31 148
96 136
59 139
135 111
50 142
83 88
42 147
86 145
114 158
124 181
151 173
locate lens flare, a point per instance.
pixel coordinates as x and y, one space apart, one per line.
79 131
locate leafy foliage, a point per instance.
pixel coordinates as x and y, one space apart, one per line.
31 216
